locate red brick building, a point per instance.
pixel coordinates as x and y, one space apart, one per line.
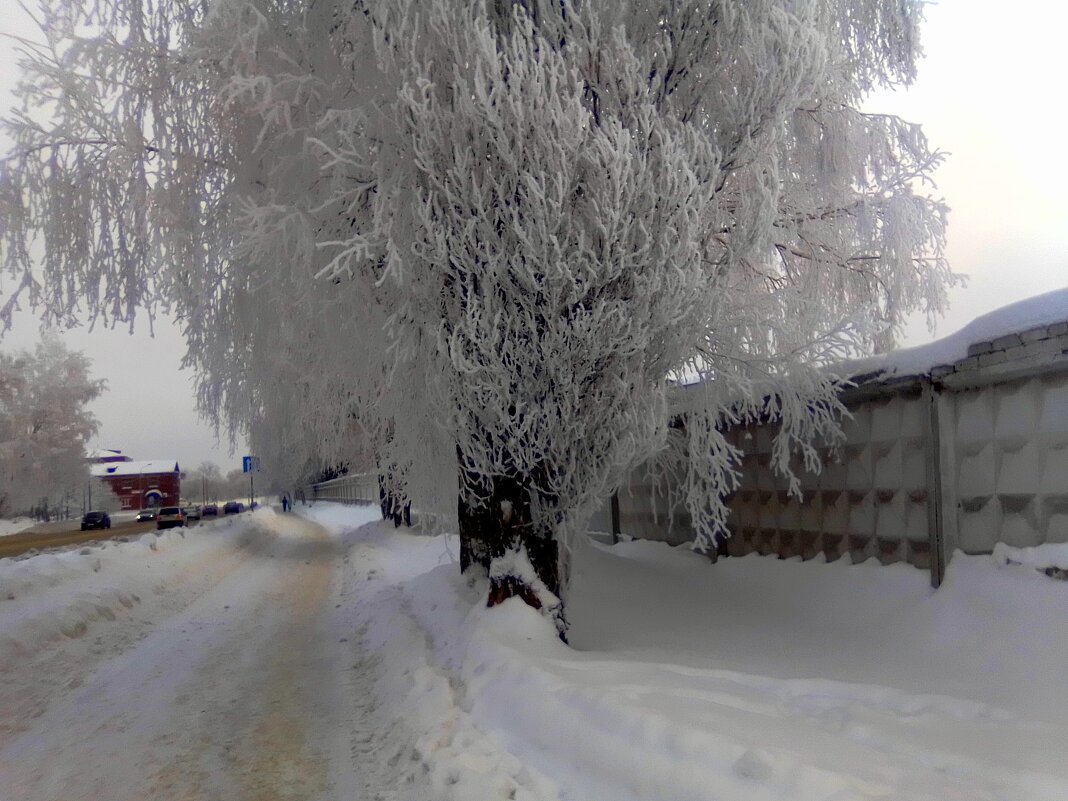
140 484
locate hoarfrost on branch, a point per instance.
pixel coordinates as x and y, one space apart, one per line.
518 237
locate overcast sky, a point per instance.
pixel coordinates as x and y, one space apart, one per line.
988 93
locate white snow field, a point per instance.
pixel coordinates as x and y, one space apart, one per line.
328 656
14 526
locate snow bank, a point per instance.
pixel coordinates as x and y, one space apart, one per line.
57 596
431 729
750 680
14 526
1051 555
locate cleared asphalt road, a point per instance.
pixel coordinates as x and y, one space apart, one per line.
69 533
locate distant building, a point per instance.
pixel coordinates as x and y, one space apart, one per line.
104 455
139 484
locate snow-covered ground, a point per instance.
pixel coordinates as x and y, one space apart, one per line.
333 657
14 526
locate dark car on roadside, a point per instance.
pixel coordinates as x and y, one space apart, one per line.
146 515
93 520
209 510
170 516
233 508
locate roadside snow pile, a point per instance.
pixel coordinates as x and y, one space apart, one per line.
750 680
14 526
1041 557
419 686
57 596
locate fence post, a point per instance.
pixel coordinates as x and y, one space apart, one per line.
615 517
933 454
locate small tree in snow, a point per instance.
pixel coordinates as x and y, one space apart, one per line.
44 427
490 238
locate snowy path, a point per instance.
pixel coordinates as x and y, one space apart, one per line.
274 657
242 681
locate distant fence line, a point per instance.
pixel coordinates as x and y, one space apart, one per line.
353 488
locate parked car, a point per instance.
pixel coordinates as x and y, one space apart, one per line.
191 512
210 510
170 516
233 508
146 515
96 520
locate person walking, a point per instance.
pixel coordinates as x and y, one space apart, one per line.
285 503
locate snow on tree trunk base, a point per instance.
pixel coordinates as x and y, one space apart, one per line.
521 557
514 576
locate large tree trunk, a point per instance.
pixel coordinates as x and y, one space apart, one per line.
503 524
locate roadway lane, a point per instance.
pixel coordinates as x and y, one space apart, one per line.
20 543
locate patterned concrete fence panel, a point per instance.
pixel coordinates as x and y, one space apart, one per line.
601 521
1008 463
646 511
869 500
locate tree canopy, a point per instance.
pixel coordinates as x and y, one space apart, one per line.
483 244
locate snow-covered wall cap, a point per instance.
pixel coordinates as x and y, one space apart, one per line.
980 336
133 468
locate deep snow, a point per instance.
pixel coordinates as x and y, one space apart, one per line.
750 679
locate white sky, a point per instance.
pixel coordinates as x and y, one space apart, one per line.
987 93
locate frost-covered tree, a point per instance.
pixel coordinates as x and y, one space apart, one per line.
44 427
202 483
489 239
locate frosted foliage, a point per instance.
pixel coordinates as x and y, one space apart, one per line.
402 233
44 426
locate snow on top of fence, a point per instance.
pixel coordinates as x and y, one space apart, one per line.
1036 312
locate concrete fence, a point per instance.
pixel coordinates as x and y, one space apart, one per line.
354 488
963 455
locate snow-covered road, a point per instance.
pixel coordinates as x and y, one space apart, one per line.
335 657
236 675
